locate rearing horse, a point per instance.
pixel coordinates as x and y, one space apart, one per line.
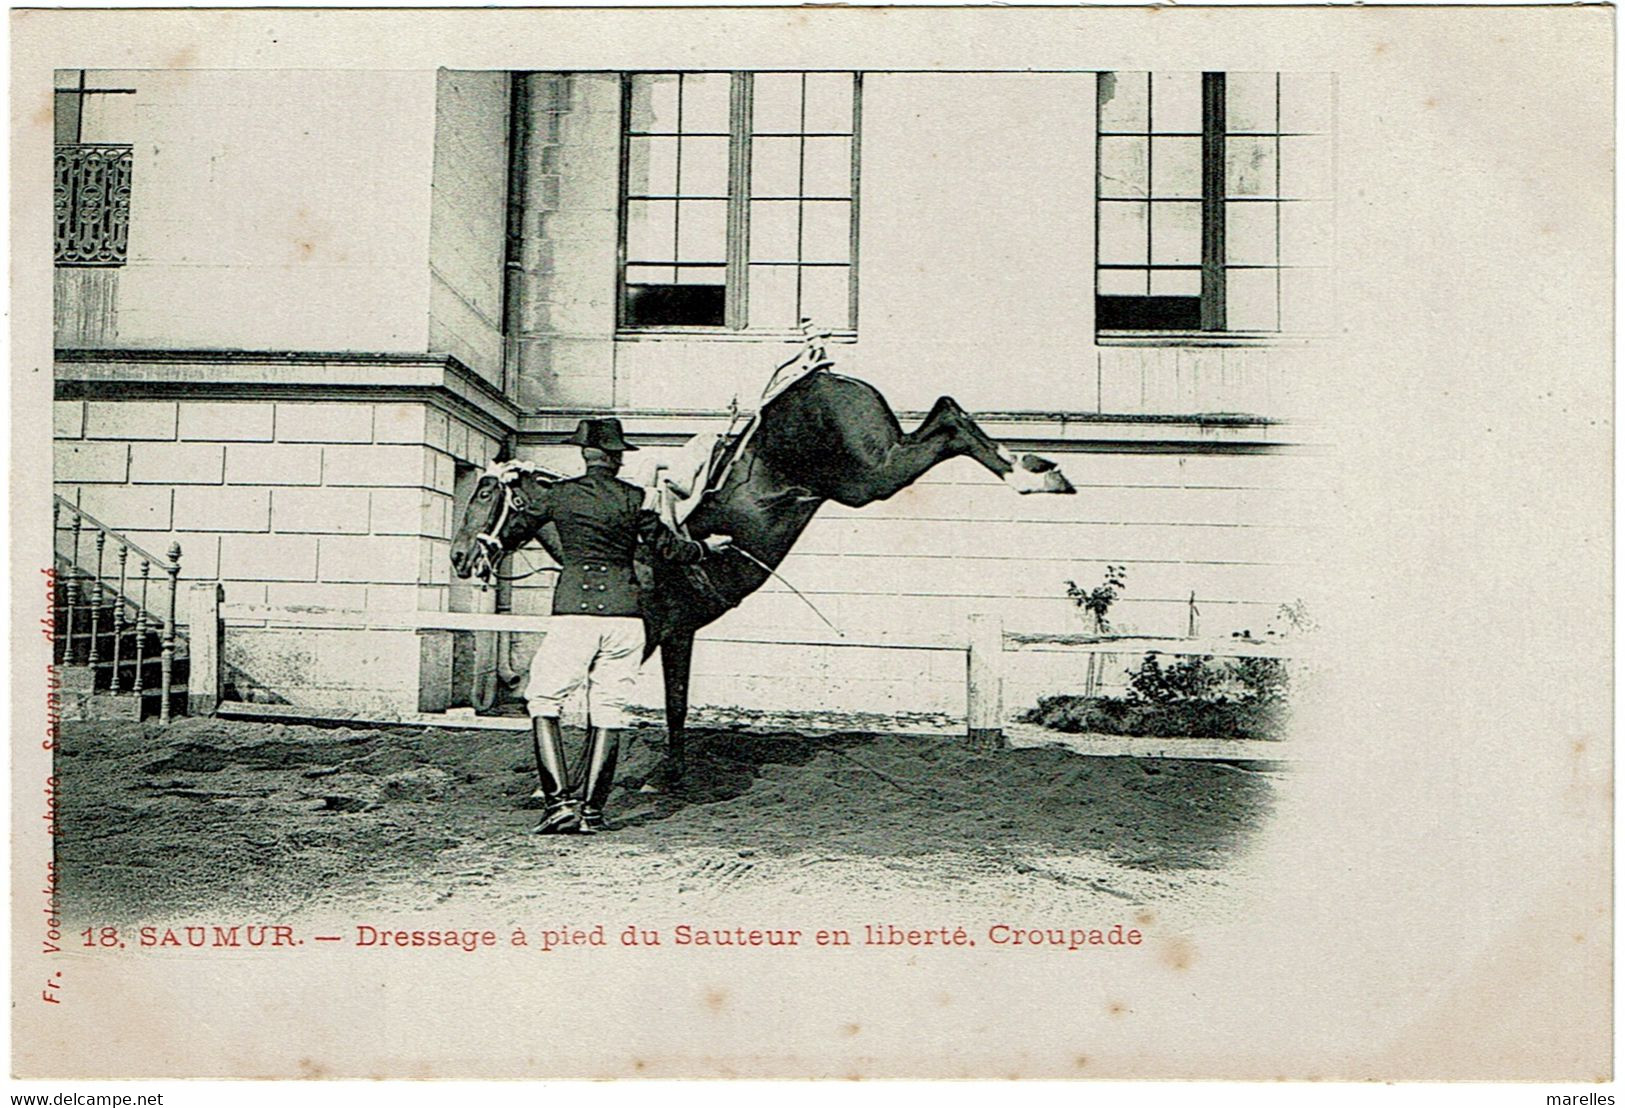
825 437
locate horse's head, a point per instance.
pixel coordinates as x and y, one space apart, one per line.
499 518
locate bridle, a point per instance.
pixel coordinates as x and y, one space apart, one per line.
489 542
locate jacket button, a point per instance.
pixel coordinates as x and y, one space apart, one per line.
600 607
585 586
583 607
601 588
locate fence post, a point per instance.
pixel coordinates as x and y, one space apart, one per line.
167 643
984 686
204 647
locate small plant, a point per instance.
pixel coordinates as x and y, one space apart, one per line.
1099 600
1296 618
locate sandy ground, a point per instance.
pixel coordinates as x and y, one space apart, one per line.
209 818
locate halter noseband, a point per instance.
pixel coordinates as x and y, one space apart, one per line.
507 475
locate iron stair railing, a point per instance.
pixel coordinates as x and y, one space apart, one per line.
107 622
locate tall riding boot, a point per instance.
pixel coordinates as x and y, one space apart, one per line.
599 778
561 813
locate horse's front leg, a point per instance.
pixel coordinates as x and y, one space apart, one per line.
676 656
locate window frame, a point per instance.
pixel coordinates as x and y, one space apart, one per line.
736 310
1213 312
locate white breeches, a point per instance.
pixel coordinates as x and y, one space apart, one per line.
602 652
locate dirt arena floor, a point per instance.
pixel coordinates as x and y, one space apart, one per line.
212 818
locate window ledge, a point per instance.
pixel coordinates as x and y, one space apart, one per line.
713 334
1205 338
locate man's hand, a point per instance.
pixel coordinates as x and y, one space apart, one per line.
716 544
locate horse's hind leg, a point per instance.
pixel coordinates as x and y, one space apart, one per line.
946 432
1026 474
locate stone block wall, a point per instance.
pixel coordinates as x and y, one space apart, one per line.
290 503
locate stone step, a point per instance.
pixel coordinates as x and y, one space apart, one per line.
76 679
120 706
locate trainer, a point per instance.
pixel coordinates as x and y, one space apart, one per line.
596 637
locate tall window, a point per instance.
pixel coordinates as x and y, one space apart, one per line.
1214 202
740 200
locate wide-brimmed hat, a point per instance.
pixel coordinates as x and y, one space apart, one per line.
605 434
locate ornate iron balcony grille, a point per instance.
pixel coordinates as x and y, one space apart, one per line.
92 203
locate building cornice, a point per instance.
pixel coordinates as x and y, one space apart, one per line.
1075 432
437 379
444 381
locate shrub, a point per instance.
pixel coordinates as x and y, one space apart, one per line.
1200 719
1189 678
1193 696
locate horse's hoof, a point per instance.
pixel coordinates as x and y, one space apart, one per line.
1032 474
666 778
1055 481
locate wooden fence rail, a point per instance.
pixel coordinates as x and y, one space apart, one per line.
984 641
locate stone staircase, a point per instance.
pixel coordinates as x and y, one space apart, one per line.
117 652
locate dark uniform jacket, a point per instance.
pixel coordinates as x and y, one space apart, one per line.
601 520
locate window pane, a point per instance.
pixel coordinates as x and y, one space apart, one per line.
1124 102
1176 282
1306 167
1123 282
654 102
1249 103
775 167
701 275
1249 300
1148 313
1176 167
1124 168
675 305
1306 300
826 230
1306 233
773 230
651 168
704 171
650 230
1176 233
1249 166
824 295
1176 102
1306 102
1249 233
651 275
776 102
705 102
702 231
773 296
827 170
1122 232
829 102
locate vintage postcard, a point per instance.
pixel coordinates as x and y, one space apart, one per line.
770 542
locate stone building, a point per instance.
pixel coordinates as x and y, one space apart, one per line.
298 311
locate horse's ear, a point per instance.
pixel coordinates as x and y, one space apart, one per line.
506 451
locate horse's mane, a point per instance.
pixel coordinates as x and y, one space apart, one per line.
512 468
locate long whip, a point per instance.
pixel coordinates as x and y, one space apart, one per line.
737 549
